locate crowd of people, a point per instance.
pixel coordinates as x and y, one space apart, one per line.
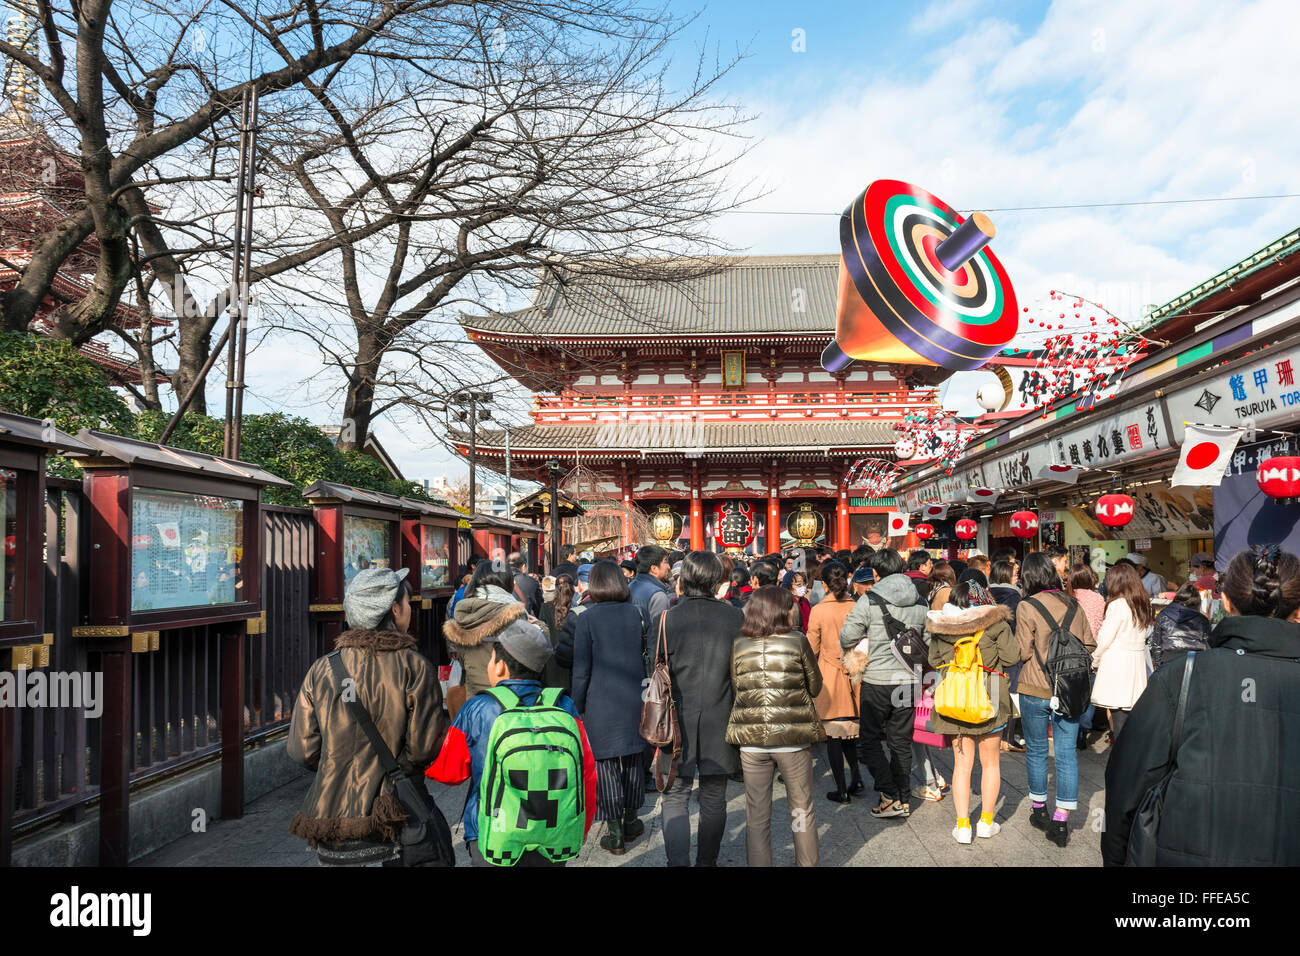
881 657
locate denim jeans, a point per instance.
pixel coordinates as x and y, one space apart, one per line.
1035 715
1085 722
675 811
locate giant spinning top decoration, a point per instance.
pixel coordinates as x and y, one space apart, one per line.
917 285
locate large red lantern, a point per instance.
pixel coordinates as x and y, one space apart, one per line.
1115 511
1279 477
967 529
924 531
733 525
1024 524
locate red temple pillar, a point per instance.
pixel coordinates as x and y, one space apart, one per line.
627 509
773 516
697 511
842 515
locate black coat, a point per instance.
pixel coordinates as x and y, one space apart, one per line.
563 643
700 632
608 671
1178 629
530 591
1235 797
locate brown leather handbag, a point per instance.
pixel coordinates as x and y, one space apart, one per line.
659 712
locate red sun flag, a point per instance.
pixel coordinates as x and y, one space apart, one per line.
1205 456
897 524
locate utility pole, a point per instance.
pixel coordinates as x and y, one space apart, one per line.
510 489
473 414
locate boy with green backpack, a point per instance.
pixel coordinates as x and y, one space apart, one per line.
532 794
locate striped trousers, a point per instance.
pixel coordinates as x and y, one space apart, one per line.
620 786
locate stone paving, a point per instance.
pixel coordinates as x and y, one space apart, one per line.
849 835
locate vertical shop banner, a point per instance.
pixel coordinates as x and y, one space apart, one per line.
1244 515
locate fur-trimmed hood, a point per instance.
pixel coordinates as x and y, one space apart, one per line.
477 618
365 639
960 622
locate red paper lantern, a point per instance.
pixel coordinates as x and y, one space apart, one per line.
1114 511
967 529
1024 524
924 531
733 523
1279 477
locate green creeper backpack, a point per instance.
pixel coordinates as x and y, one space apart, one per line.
531 796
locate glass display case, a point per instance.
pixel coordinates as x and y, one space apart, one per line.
175 536
24 444
435 557
367 543
356 530
186 550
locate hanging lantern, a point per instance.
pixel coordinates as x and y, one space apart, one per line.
924 531
1279 477
1024 524
733 523
665 526
905 449
967 529
805 524
1115 511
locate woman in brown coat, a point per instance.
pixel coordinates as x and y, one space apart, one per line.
973 611
1042 586
942 580
837 704
351 816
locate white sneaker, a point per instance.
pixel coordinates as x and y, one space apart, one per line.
963 835
987 830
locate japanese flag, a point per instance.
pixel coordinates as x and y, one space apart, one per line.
898 521
1205 455
938 512
981 495
169 533
1067 474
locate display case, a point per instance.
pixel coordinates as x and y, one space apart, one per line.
24 445
356 529
175 536
429 547
497 538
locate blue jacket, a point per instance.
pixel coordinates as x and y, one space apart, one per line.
650 593
464 750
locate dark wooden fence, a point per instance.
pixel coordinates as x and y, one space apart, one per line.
176 690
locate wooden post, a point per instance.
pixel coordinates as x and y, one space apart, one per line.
7 724
115 748
232 721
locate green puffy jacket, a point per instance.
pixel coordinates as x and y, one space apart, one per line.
776 681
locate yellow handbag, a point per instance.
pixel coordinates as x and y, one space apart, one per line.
962 694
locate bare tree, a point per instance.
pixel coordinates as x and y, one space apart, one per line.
551 147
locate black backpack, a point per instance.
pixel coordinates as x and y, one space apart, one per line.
909 648
1068 667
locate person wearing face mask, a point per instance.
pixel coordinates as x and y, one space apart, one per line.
799 587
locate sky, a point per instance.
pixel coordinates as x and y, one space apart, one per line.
990 106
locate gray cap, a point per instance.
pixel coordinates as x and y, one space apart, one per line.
1138 558
370 596
525 642
1202 558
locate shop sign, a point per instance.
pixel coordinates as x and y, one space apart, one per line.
1262 392
1159 512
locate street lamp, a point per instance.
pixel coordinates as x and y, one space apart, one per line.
472 415
553 466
